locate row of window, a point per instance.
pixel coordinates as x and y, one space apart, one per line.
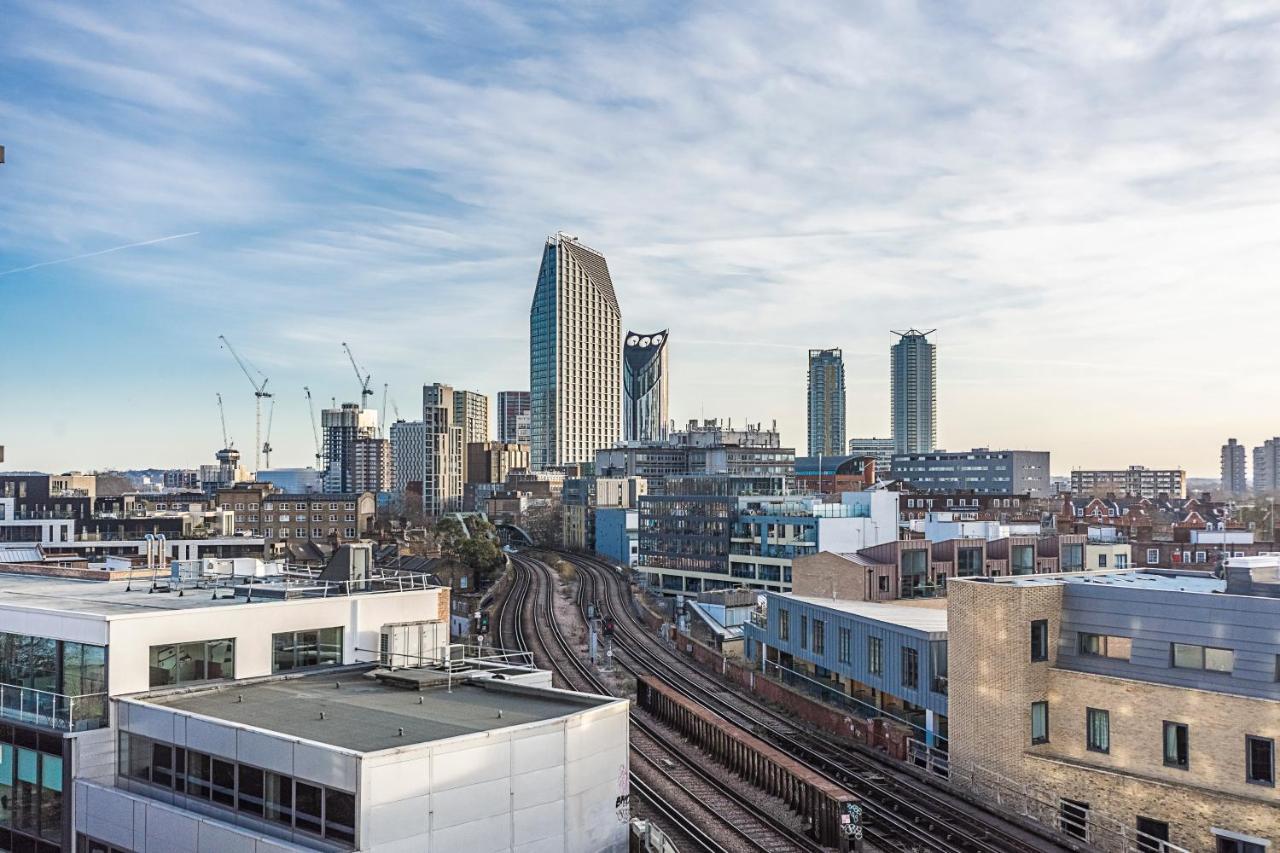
293 803
30 791
252 507
317 517
1181 655
1260 766
209 660
910 660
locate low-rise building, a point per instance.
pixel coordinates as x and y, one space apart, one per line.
1132 709
979 470
1136 480
280 518
618 535
832 475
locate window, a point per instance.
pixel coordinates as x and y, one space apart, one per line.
938 666
819 636
1040 640
1152 835
1186 656
1101 645
910 668
183 663
1260 760
1153 556
1231 843
1073 818
784 625
1039 722
804 631
844 643
1176 745
1102 561
1097 730
298 649
875 655
1122 561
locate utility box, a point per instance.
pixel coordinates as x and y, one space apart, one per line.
411 643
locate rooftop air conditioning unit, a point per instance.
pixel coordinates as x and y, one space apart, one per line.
409 644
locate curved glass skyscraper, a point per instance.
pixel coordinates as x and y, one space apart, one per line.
644 384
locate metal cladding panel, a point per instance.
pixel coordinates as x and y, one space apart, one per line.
227 840
403 820
107 814
326 766
481 804
172 831
469 761
857 668
540 827
537 787
150 722
212 738
270 752
401 778
1155 619
538 749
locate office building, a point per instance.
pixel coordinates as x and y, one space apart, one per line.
1234 477
709 447
1135 481
979 470
346 453
511 406
1266 466
827 475
914 405
523 432
442 483
295 480
1133 710
644 387
881 449
826 402
408 456
575 356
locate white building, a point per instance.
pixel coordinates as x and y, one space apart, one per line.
442 474
575 349
217 715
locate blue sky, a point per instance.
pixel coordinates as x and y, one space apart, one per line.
1082 197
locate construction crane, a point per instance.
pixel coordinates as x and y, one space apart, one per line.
259 392
361 377
382 417
266 442
226 442
315 432
395 408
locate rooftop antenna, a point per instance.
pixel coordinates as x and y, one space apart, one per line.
361 376
259 392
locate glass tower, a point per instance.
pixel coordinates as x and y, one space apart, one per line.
826 402
914 374
644 382
575 356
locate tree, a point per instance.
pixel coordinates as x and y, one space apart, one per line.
473 543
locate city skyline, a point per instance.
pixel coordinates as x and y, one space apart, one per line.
148 205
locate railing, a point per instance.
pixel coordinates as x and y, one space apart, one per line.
928 758
53 710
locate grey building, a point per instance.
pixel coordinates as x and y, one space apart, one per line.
826 402
350 443
511 405
644 386
914 377
880 448
701 448
1234 480
408 454
1020 472
1266 466
442 482
575 356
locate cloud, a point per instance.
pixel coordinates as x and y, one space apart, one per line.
1079 196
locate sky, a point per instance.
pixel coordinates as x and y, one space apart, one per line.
1083 198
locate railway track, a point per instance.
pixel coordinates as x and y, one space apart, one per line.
693 799
903 812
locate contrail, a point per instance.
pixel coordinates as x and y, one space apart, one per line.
100 252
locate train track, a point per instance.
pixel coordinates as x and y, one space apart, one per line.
660 760
904 813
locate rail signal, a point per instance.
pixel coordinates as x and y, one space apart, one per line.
608 626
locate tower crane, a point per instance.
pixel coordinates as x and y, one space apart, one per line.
259 393
315 433
226 442
382 416
361 377
266 442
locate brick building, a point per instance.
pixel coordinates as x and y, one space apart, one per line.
282 519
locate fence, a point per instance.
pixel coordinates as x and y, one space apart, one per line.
53 710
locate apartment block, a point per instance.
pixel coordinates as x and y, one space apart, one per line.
1266 466
826 402
1235 480
280 518
980 470
1134 481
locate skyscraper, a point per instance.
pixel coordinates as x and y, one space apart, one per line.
914 375
408 454
826 402
511 405
575 356
644 384
1234 481
351 461
442 473
471 412
1266 466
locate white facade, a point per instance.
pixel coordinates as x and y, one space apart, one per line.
575 365
442 480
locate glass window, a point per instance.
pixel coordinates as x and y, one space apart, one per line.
198 775
938 666
298 649
340 815
1073 818
1040 640
1176 745
224 782
804 631
784 625
1097 730
1260 760
1039 722
875 659
278 798
1219 660
910 668
308 805
1101 645
844 644
184 663
249 795
1187 656
819 636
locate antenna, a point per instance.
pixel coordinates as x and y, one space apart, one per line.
315 433
361 377
259 392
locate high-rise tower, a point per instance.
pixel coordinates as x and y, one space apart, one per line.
1234 481
644 383
826 402
914 374
512 405
575 356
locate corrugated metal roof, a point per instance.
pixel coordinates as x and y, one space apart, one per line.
930 619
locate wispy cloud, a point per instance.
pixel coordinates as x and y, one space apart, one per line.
1080 196
40 264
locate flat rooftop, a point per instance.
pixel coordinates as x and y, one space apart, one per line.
930 620
362 714
1125 579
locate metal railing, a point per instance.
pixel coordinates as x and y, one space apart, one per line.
53 710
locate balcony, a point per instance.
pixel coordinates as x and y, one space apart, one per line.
53 710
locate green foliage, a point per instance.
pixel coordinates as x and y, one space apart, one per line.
479 550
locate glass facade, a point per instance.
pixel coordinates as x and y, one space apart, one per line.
31 776
52 683
299 649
